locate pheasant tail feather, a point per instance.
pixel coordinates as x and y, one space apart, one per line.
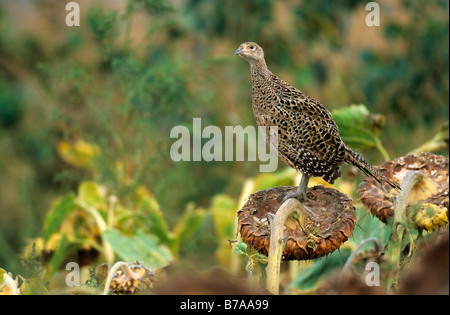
357 160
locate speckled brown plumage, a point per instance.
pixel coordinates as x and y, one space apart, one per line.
308 138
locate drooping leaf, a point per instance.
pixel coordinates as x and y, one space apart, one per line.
154 216
142 247
355 126
57 214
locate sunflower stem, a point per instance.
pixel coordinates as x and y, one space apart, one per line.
399 226
358 249
381 148
278 241
102 226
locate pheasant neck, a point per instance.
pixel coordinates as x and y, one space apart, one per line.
258 68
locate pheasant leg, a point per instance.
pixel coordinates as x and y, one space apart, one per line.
300 194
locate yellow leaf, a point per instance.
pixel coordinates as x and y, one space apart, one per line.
318 181
92 193
33 286
53 242
79 153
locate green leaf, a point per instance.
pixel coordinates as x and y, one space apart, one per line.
369 226
308 279
64 248
57 214
142 247
239 248
355 126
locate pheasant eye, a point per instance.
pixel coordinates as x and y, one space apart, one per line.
252 47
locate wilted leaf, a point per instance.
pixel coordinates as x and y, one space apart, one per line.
8 286
258 258
33 286
101 273
257 263
154 217
142 247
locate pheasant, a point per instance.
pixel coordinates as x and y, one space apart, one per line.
308 139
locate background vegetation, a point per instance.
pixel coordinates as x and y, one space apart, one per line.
86 113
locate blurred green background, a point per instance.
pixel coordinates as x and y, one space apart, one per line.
112 89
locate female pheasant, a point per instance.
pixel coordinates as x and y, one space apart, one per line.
308 138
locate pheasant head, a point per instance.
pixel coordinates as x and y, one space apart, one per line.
250 52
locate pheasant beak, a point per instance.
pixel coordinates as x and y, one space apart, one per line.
238 51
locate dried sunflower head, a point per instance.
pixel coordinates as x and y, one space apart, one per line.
336 220
430 217
138 279
432 189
